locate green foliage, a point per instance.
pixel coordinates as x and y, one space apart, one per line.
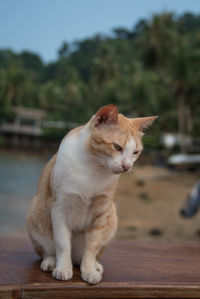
54 134
148 70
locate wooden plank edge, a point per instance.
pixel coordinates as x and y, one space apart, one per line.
10 292
106 290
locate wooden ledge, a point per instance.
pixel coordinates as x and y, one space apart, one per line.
131 270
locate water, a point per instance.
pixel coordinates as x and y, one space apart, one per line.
19 174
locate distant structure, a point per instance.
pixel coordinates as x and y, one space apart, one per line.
171 140
28 122
26 129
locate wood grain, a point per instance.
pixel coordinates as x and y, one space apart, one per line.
131 270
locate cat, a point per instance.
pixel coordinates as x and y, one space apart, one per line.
73 215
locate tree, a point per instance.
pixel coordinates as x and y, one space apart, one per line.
153 68
64 50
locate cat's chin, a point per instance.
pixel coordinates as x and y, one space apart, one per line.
118 171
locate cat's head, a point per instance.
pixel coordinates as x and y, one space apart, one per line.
115 140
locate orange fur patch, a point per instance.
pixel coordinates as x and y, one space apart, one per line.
102 139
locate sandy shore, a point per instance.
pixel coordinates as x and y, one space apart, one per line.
149 200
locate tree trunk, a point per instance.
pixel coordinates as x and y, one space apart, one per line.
181 122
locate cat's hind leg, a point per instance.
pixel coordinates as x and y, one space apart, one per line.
48 264
49 254
99 267
39 228
45 248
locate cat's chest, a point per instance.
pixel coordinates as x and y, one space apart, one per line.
87 183
76 212
84 185
76 173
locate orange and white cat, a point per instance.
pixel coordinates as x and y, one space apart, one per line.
73 215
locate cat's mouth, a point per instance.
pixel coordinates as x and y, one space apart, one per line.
121 170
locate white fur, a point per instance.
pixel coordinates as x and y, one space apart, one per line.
62 238
77 177
48 263
76 172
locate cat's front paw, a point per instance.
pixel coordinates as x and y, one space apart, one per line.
91 277
62 274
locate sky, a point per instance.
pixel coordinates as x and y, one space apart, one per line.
41 26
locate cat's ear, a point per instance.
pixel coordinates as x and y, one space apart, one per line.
107 115
142 123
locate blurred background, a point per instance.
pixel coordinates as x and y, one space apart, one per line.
62 60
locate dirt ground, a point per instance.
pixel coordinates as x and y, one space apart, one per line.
148 203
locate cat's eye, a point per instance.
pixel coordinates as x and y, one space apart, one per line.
117 147
135 152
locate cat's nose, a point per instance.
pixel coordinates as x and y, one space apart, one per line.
126 167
